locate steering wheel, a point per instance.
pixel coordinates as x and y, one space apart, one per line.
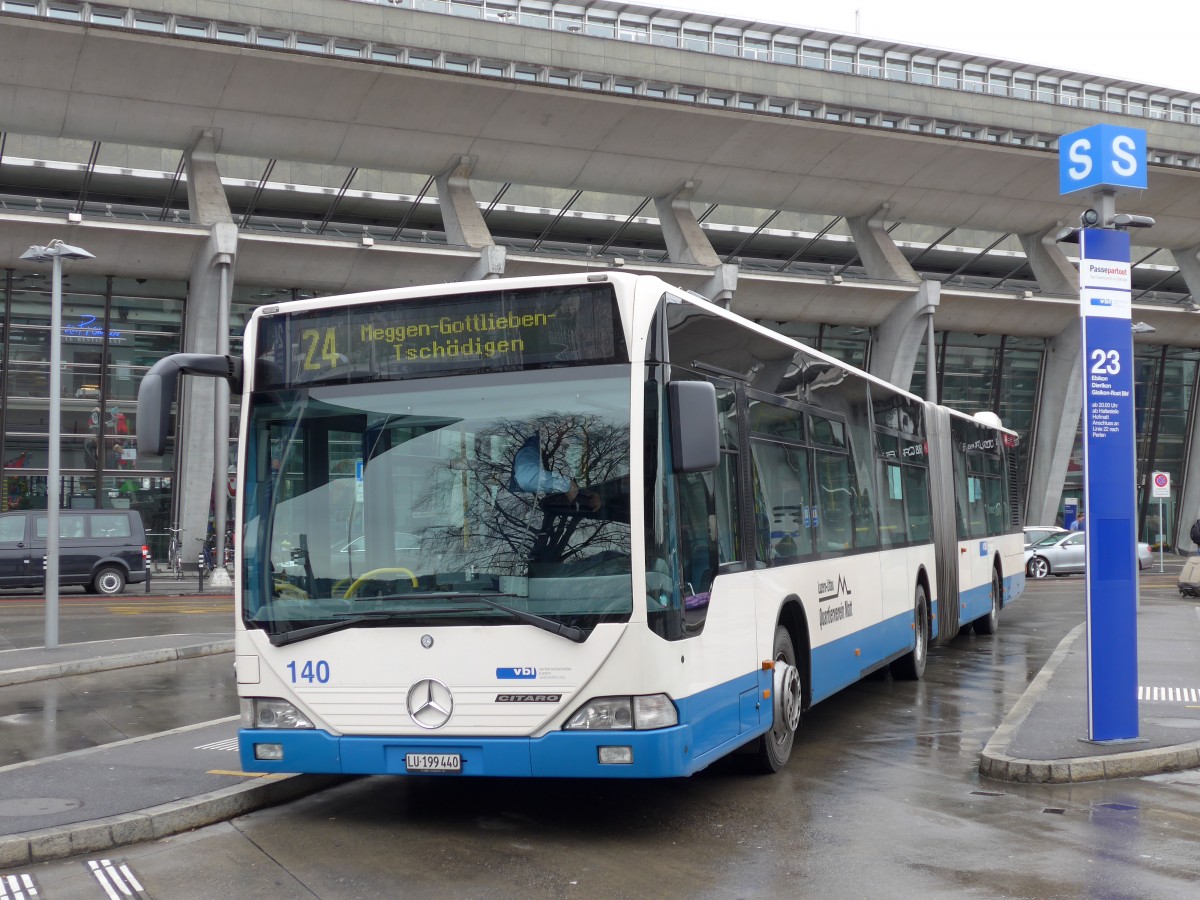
370 576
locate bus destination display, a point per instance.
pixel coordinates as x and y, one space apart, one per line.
495 331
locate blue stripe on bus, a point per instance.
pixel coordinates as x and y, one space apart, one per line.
976 602
713 722
844 661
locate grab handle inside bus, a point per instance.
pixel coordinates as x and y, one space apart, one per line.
695 439
157 392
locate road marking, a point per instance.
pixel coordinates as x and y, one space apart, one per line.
265 776
226 744
1169 694
144 609
117 880
17 887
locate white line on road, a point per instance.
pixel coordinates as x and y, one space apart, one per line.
117 880
226 744
17 887
1169 694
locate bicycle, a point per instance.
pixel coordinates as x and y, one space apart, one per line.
175 554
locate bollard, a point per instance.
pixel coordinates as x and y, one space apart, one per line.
200 568
149 569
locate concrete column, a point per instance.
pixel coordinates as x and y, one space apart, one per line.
204 404
719 289
489 265
901 336
1055 273
460 213
1060 406
879 254
1188 508
686 240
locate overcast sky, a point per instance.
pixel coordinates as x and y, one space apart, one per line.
1151 41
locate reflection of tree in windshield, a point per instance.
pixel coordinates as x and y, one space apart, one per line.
574 516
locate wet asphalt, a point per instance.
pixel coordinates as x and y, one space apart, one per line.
883 796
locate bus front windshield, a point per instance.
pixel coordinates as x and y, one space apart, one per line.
440 500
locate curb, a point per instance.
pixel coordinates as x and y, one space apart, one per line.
995 763
107 663
158 821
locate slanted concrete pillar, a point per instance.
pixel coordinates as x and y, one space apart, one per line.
879 254
686 240
489 265
1055 273
719 289
1059 410
901 336
1188 509
460 213
204 402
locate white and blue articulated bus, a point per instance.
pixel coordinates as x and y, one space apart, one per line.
585 525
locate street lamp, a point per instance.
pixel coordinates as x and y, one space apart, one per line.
55 252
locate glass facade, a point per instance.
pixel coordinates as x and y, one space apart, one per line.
1164 390
113 331
989 372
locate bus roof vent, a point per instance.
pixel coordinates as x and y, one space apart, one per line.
988 418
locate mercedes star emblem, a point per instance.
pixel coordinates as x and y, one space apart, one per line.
430 703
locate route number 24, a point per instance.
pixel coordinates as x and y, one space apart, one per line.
1106 362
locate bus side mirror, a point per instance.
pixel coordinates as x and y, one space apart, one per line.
695 438
157 392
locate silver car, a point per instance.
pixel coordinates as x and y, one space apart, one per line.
1063 554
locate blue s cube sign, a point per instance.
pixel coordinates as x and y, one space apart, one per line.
1102 156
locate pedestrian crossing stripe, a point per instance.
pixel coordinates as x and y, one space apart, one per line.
226 744
116 878
18 887
1169 694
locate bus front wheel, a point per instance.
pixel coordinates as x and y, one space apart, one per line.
775 747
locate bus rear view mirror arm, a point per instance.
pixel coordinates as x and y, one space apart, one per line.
157 392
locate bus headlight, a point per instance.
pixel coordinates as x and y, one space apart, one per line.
625 713
266 712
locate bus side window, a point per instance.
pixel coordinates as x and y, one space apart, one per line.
916 481
697 536
783 507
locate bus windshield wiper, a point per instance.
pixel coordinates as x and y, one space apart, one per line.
278 639
570 632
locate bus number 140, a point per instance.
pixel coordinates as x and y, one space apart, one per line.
309 671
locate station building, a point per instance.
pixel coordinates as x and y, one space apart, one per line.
846 190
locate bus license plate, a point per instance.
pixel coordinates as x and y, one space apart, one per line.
433 762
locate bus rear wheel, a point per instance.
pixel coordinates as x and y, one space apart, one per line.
911 666
990 623
775 747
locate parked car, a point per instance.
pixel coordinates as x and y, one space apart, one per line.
101 550
1034 533
1062 553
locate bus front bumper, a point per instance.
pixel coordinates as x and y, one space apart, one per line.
661 753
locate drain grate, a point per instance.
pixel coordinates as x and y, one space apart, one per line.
988 793
1054 810
1120 807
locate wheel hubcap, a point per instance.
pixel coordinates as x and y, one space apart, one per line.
787 698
